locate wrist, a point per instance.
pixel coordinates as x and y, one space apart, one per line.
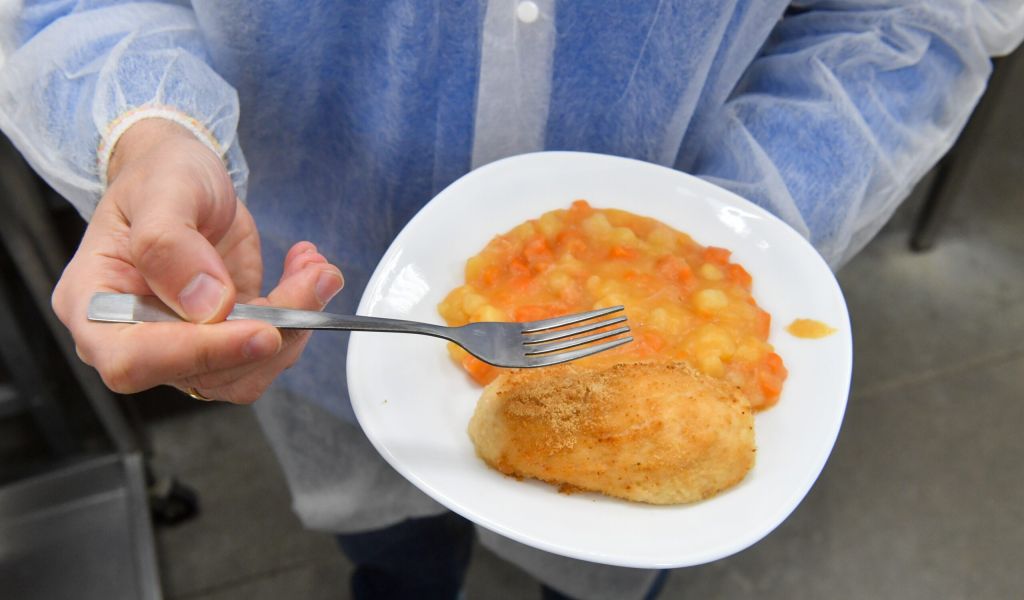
139 139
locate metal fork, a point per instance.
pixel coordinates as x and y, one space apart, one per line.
516 345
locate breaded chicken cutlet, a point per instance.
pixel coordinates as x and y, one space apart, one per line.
661 433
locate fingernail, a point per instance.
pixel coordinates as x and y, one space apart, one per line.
202 298
264 344
328 286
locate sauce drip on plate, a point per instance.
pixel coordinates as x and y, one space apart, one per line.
809 329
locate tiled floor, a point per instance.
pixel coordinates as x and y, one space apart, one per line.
922 497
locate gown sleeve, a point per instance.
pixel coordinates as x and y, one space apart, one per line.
75 75
848 105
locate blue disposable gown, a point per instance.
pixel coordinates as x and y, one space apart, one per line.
351 115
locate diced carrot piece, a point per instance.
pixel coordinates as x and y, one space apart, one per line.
717 255
490 275
664 267
480 371
740 276
537 249
648 284
519 284
541 311
580 207
518 268
652 342
621 252
684 274
771 385
674 268
532 312
771 376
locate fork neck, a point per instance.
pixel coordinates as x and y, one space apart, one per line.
363 323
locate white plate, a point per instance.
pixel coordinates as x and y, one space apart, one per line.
414 403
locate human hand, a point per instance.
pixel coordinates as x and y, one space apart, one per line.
170 225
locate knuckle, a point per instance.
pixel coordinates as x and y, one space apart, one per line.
205 381
294 340
84 353
59 301
246 394
152 246
244 399
251 387
287 359
202 360
117 373
234 392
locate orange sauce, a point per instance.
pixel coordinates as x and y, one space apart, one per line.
683 300
809 329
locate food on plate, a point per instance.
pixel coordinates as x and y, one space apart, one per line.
655 432
667 419
684 301
809 329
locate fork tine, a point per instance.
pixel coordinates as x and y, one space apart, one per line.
572 342
532 326
536 338
561 357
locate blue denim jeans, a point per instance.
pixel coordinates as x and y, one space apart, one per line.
423 558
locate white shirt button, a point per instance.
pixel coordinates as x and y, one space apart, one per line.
527 11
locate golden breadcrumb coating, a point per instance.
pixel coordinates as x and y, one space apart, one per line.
656 432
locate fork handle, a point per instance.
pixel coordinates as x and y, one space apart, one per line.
132 308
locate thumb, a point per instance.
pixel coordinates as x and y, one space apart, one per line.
177 198
181 266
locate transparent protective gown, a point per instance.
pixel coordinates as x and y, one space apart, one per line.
338 120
